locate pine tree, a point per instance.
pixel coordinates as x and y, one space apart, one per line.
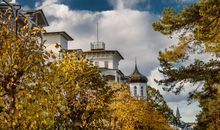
198 29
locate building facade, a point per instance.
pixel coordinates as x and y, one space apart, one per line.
59 38
107 61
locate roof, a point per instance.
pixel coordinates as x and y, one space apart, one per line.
137 77
105 51
117 70
63 33
38 16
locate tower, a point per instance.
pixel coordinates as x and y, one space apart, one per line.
178 121
107 61
138 84
178 113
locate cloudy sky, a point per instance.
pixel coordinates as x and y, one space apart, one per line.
124 25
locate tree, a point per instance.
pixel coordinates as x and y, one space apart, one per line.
84 93
209 118
197 26
130 113
156 99
39 91
198 29
26 100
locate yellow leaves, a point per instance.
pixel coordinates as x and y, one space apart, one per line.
13 123
26 35
27 99
132 114
57 45
26 20
15 66
17 18
178 52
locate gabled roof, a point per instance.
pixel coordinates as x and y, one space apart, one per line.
137 77
105 51
62 33
37 16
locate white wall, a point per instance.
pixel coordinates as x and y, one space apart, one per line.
113 60
102 62
101 58
138 85
52 39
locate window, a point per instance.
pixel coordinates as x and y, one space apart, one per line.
135 91
97 64
142 91
106 64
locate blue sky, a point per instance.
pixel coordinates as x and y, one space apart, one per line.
124 25
154 6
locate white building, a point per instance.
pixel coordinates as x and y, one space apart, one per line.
107 61
53 38
138 84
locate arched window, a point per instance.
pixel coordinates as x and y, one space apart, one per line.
135 91
142 91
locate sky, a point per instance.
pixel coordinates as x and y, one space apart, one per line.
124 25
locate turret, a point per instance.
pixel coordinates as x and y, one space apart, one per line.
138 84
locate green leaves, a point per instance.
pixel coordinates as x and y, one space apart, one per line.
156 100
198 25
198 30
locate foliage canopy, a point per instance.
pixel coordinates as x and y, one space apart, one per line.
198 28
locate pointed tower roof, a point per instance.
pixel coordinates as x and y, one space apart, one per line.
136 76
178 113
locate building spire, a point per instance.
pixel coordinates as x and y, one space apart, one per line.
135 62
135 67
178 113
97 45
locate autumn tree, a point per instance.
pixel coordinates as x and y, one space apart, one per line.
84 93
198 29
130 113
40 91
26 100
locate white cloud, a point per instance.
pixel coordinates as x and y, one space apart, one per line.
126 30
125 4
